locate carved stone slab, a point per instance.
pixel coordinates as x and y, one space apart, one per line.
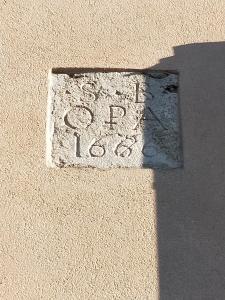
113 119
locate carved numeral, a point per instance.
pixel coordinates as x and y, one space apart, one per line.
124 148
97 150
77 144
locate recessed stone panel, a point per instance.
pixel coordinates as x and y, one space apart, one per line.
113 119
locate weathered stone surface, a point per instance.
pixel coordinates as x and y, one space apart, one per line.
113 119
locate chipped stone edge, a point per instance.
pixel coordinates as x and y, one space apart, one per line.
49 123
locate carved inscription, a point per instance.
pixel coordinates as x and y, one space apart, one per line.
79 117
121 112
124 148
108 119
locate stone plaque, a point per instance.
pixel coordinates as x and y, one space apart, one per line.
113 119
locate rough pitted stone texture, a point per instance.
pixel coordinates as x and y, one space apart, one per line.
113 119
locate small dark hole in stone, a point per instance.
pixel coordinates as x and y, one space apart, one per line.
171 88
118 93
78 76
157 75
75 76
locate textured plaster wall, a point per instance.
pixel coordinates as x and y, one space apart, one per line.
85 234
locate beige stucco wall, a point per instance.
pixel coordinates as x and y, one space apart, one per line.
90 234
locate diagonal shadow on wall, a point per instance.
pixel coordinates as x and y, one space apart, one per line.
191 200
